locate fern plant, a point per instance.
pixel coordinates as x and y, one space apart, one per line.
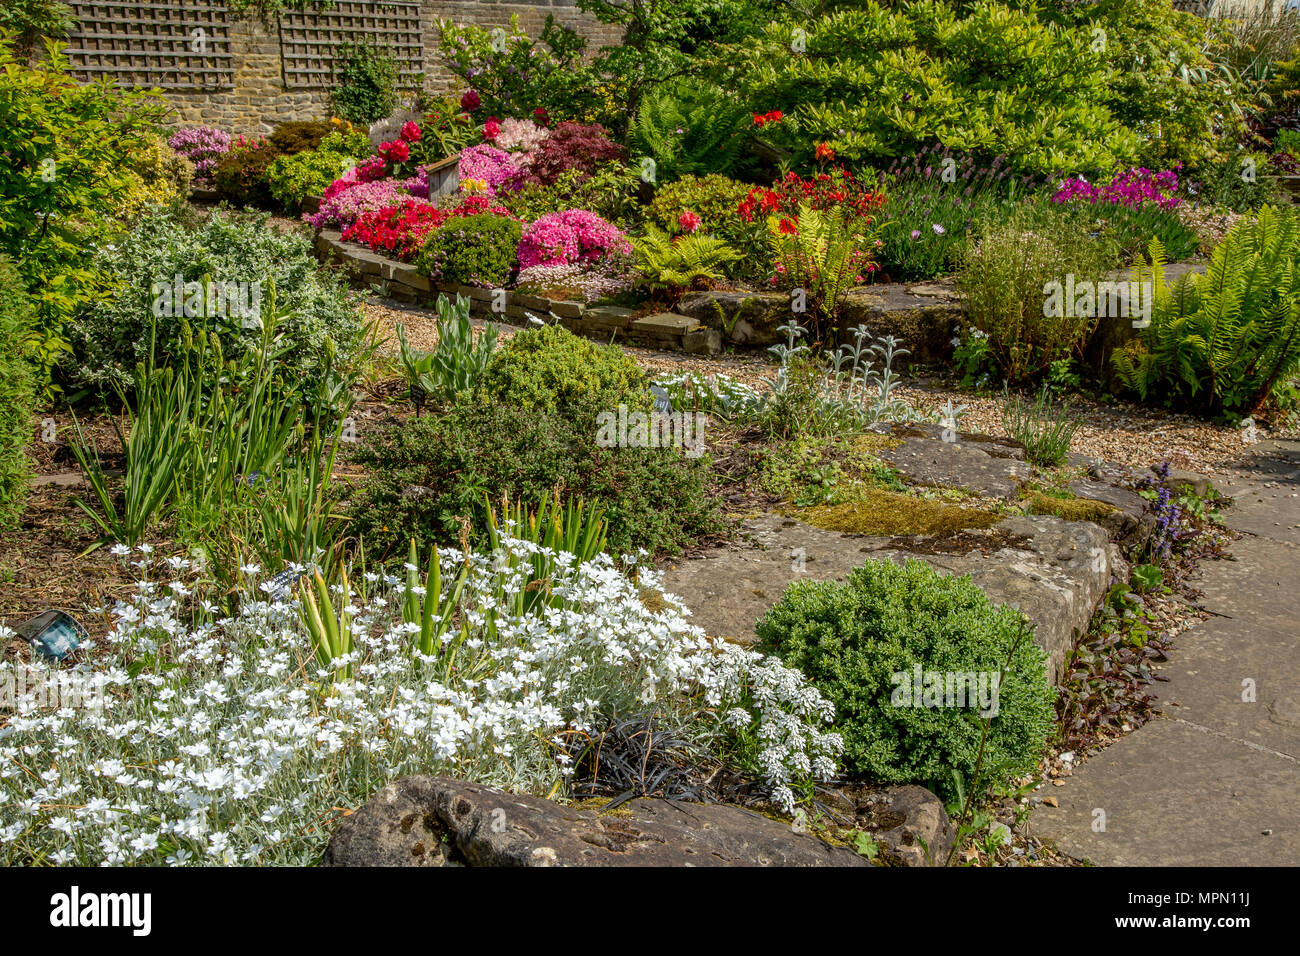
690 127
688 261
822 254
1220 342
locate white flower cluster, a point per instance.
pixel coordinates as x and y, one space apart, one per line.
223 740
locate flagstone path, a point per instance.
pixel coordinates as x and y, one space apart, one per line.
1214 780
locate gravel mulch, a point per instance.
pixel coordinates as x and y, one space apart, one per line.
1119 432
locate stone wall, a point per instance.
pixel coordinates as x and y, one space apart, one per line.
260 97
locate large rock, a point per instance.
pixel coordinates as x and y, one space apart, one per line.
743 318
908 823
435 821
987 468
925 316
1055 571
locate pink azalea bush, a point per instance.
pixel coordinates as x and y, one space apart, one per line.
367 172
201 145
520 136
491 166
344 208
570 236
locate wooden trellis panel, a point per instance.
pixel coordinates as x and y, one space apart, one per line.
310 39
180 45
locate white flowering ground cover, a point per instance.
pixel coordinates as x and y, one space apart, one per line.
224 739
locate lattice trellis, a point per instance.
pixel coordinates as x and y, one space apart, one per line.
310 39
180 45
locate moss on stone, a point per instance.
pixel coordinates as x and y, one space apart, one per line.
883 512
1071 509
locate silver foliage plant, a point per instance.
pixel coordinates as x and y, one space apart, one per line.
858 387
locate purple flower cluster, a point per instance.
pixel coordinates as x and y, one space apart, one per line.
201 145
492 166
1169 519
1132 188
570 236
346 207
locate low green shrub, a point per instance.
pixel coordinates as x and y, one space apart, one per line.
1003 275
112 337
550 370
292 179
471 250
713 198
17 392
427 475
862 642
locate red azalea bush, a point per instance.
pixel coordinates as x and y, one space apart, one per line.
399 231
836 188
580 146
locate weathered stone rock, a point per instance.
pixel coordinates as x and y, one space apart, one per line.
908 823
1055 571
478 826
1181 481
1130 521
745 318
924 316
664 324
396 828
963 463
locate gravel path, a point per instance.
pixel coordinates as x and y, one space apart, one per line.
1120 432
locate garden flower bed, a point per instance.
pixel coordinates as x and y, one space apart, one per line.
747 451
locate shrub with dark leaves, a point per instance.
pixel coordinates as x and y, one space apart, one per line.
578 146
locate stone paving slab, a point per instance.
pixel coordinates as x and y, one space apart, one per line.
1207 671
1178 795
1213 781
1259 586
1055 571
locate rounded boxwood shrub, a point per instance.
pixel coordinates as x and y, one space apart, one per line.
426 474
471 250
17 392
713 198
549 370
861 643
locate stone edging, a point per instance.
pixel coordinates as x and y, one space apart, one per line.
401 281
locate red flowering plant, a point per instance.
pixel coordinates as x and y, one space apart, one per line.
399 231
774 216
834 188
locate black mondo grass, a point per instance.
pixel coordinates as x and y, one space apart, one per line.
631 758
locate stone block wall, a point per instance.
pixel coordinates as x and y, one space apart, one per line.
260 97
